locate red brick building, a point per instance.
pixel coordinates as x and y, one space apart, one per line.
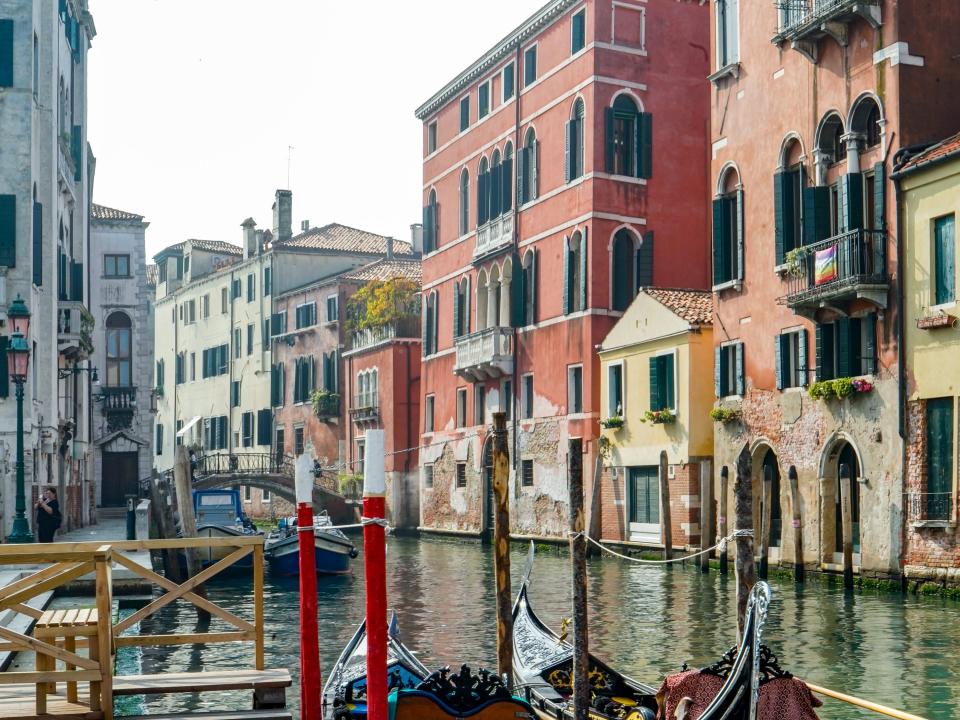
810 102
562 170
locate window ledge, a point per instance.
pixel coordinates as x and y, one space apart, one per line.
728 285
730 70
942 524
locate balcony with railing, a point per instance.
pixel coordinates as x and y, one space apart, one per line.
118 399
930 509
838 270
485 354
408 327
804 22
74 325
365 408
326 405
494 235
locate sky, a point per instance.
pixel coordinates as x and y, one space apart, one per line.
193 105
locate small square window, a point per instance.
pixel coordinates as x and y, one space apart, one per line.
428 476
530 66
461 475
464 113
432 137
461 407
526 473
116 266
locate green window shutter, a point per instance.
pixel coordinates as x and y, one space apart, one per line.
644 274
824 352
879 196
583 270
274 386
517 292
578 32
851 186
6 53
457 330
567 280
76 146
282 384
483 180
780 192
939 456
610 145
802 374
656 402
37 244
868 362
667 391
76 281
8 230
533 290
426 228
816 214
4 367
535 172
568 159
645 146
944 260
296 381
264 426
506 185
844 359
741 376
522 179
721 243
778 362
718 374
738 208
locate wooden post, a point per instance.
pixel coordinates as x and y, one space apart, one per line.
766 515
595 505
797 525
501 545
578 558
722 515
104 637
375 571
666 527
746 571
188 521
847 515
706 506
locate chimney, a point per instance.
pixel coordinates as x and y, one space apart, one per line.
416 237
304 225
249 238
283 215
389 248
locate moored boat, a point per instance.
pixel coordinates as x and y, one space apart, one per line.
332 549
219 514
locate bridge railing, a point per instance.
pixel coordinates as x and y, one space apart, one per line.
244 463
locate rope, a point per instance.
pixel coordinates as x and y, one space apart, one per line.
363 523
722 545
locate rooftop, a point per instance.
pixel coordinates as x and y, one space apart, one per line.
694 306
385 270
214 246
102 212
940 151
342 238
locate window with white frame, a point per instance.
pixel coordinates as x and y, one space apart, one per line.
464 113
791 359
428 413
574 389
507 82
530 66
615 395
461 407
728 32
662 382
333 308
479 404
526 396
428 476
432 137
368 389
483 100
728 370
306 315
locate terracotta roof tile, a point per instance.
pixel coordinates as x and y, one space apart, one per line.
215 246
694 306
950 146
102 212
385 270
341 238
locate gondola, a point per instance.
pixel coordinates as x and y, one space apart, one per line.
543 669
415 693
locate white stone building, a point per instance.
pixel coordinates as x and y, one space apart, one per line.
46 171
121 302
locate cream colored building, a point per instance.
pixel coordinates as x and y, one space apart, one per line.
659 356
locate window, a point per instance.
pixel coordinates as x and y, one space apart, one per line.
528 286
215 433
235 394
629 135
361 457
119 365
643 495
464 202
578 32
623 267
298 446
847 347
36 65
431 223
179 368
215 361
279 443
189 312
483 100
526 396
303 379
237 343
178 439
944 260
250 327
728 32
573 158
527 161
428 476
728 236
368 386
461 475
159 373
8 222
830 141
430 323
193 366
278 323
461 308
116 266
428 413
186 265
331 372
728 370
265 495
224 301
247 493
461 407
787 211
575 389
236 288
306 315
526 473
507 82
432 137
662 382
251 287
205 306
464 113
479 404
939 458
267 280
575 274
615 390
277 384
791 359
159 439
506 399
246 423
530 66
333 311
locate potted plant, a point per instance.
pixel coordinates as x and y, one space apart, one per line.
325 403
839 388
793 267
614 422
724 415
660 417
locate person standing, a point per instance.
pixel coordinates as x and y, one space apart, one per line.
48 515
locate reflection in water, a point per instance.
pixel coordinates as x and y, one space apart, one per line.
646 620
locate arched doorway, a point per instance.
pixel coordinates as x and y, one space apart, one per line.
847 457
489 503
765 463
771 468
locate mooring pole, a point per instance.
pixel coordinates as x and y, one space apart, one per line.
797 525
578 558
188 520
375 570
766 515
501 546
722 515
309 635
666 526
847 516
706 508
746 571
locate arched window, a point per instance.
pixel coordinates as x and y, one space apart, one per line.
529 295
629 139
483 290
118 350
865 120
464 201
461 308
431 223
573 158
830 142
37 238
483 193
527 182
728 229
575 273
788 188
506 181
430 324
496 185
623 270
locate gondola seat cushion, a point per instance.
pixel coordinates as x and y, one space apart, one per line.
421 705
780 698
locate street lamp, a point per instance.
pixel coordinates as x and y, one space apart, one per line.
18 357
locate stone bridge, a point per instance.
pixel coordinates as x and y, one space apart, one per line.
269 472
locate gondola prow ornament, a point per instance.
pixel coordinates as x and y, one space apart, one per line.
309 641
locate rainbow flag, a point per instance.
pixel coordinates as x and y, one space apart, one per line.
825 265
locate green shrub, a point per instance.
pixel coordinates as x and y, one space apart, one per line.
724 415
843 387
821 390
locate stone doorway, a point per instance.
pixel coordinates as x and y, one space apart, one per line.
838 454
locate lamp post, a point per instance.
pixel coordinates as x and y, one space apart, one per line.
18 357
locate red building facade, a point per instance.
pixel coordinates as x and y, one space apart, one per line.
562 170
810 104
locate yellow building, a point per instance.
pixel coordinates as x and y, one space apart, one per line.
657 393
929 208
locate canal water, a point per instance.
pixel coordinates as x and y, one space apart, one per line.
645 620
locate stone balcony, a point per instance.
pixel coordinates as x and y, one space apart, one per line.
365 408
494 235
804 22
485 354
73 337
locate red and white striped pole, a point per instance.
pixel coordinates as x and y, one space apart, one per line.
309 634
375 570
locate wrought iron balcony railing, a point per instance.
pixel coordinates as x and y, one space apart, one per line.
404 328
839 269
812 19
365 407
930 507
485 354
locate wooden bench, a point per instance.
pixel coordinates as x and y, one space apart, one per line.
268 685
62 628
